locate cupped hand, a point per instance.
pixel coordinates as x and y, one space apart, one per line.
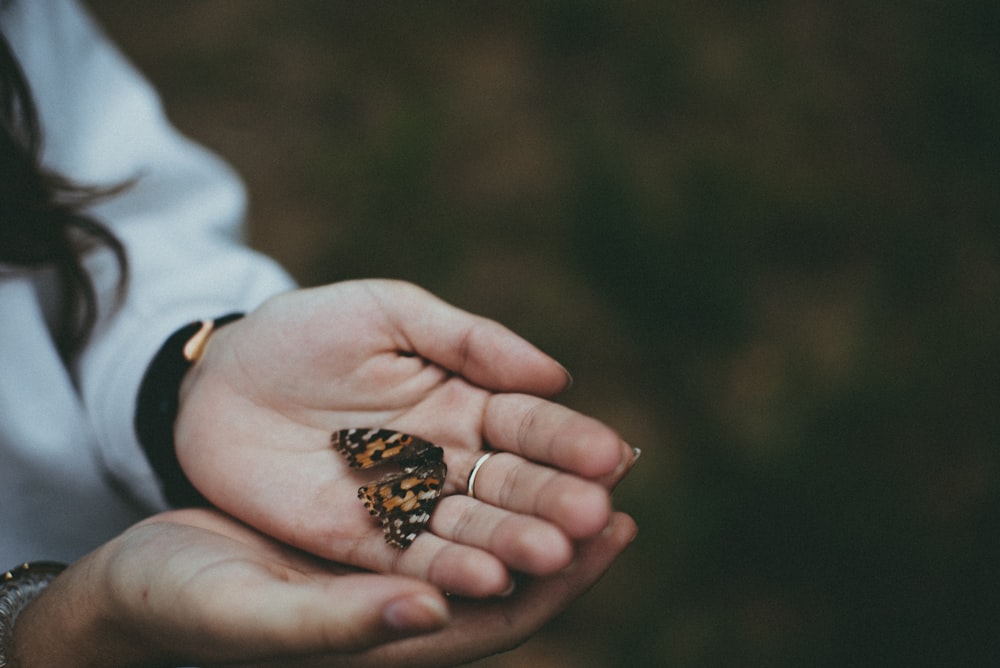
196 587
258 410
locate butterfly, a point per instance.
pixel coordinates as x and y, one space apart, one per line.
403 500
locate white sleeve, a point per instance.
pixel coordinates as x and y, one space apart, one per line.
180 219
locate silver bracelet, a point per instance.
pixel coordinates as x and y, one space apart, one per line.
18 587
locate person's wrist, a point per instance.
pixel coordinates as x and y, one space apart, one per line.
214 343
72 623
159 400
19 587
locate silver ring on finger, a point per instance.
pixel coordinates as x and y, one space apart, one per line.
475 471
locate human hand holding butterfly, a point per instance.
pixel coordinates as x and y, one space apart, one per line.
258 410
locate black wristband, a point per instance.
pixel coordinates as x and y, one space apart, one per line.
156 410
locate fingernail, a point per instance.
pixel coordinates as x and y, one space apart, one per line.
569 377
419 612
509 591
625 465
631 462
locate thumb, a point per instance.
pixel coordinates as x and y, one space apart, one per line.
331 614
479 349
248 596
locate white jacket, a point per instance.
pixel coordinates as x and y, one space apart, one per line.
72 473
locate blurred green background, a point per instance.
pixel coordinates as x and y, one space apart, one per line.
763 236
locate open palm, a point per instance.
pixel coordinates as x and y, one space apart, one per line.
253 433
195 587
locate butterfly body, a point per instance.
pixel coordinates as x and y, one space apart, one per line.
403 500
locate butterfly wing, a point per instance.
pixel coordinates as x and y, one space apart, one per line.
365 448
403 502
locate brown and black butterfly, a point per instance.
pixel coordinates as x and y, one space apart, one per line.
403 500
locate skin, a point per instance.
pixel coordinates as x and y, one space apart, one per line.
253 433
195 587
290 570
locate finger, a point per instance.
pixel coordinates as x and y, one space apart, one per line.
479 349
525 544
335 613
480 629
593 559
464 569
457 569
611 480
552 434
579 507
